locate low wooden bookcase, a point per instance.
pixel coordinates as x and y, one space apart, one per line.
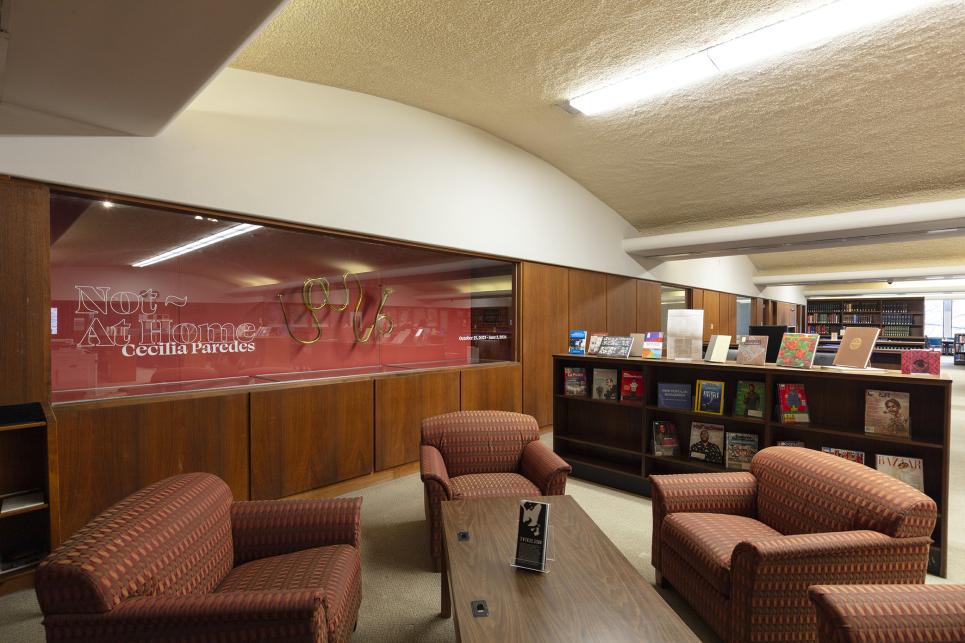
610 441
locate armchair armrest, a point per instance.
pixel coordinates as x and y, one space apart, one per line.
433 468
774 573
544 468
271 527
228 617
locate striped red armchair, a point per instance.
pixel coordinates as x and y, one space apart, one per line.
742 548
180 561
484 454
882 613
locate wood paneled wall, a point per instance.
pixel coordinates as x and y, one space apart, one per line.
648 305
494 388
544 318
587 301
720 311
621 305
401 403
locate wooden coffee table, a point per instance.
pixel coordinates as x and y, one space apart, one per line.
591 593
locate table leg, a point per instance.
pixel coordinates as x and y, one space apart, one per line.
446 611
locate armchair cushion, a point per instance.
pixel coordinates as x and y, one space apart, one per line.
492 485
707 541
480 441
544 468
269 527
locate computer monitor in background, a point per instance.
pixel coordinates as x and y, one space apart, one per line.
774 335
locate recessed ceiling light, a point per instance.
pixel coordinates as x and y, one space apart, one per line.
809 29
940 277
203 242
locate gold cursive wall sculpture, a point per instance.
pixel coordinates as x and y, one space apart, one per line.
382 325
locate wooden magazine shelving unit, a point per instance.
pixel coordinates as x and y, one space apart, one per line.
959 349
610 442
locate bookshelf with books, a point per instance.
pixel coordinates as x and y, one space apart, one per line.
959 349
612 442
902 318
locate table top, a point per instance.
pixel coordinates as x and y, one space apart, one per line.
591 593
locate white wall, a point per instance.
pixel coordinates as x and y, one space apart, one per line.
294 151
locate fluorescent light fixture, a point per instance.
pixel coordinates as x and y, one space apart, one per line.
810 29
942 231
203 242
107 204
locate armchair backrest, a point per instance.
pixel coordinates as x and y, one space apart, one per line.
801 491
173 537
480 441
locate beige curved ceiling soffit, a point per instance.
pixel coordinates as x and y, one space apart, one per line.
870 117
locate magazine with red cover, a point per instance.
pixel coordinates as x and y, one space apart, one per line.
794 403
924 362
631 386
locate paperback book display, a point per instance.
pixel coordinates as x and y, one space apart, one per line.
631 386
797 350
749 402
710 397
665 440
593 346
707 442
793 403
717 348
636 346
751 350
615 346
685 333
847 454
532 534
652 345
577 342
887 412
674 396
741 448
921 362
604 383
575 381
856 346
911 471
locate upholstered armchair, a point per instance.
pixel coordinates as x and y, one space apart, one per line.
484 454
876 613
180 561
742 548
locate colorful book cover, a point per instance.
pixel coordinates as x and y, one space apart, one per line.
847 454
593 346
615 346
717 348
921 362
911 471
605 384
741 448
575 381
797 350
707 442
710 397
652 345
665 441
791 443
674 396
751 350
631 386
577 342
794 403
856 346
887 412
749 400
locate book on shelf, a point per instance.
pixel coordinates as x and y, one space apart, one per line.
717 348
748 401
710 397
790 443
797 350
575 381
674 396
652 345
20 501
856 345
685 333
847 454
615 346
577 342
887 412
605 384
741 448
636 346
594 342
793 401
631 386
707 442
665 441
751 349
921 362
911 471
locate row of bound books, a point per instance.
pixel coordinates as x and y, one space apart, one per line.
608 383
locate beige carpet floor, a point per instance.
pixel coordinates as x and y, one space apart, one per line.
401 597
